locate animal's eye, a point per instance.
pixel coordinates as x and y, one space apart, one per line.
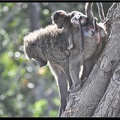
75 18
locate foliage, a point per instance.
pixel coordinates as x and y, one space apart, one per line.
38 108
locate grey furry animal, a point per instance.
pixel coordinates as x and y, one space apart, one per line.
48 45
92 38
99 32
62 20
74 40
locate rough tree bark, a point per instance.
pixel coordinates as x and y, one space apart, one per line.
100 94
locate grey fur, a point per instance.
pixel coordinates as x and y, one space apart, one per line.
49 44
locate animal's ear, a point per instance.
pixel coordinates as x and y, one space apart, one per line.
58 14
41 61
63 13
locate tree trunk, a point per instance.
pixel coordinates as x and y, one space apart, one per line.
100 94
34 14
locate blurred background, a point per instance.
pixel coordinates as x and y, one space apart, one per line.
25 89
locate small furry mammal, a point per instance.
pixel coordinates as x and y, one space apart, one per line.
96 29
74 39
62 20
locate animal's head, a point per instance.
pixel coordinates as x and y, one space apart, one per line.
32 51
